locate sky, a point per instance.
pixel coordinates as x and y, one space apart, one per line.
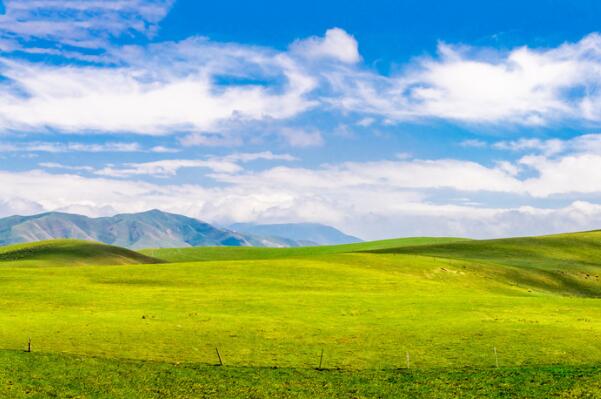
382 118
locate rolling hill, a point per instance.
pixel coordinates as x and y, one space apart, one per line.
418 317
69 253
202 254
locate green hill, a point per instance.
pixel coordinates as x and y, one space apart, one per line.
565 262
422 317
545 251
69 253
201 254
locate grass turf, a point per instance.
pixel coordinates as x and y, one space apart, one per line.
31 375
447 306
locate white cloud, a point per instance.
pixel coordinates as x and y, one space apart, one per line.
153 96
169 167
524 86
376 211
374 199
473 143
588 143
210 140
301 137
254 156
567 174
55 165
57 147
159 149
203 88
337 44
85 23
366 122
548 147
413 174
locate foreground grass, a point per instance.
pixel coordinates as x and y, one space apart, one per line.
34 375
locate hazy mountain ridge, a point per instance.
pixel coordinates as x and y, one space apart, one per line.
151 229
139 230
303 233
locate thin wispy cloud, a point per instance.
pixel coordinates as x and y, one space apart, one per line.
81 23
169 167
60 147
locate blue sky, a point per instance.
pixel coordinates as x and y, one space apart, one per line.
382 118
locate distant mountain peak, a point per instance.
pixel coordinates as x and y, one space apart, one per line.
149 229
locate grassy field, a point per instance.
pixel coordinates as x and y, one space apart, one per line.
69 253
50 375
442 307
200 254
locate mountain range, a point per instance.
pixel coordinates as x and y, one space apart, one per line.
304 233
157 229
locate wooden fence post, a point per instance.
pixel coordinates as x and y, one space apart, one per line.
219 357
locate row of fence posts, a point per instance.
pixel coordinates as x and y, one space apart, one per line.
408 359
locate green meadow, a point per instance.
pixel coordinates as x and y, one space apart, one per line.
420 317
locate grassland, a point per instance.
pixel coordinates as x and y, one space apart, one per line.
69 253
202 254
151 330
64 376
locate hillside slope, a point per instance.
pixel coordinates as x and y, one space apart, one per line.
536 300
69 253
544 251
249 253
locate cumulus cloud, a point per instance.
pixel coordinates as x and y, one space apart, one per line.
337 44
117 100
200 87
524 86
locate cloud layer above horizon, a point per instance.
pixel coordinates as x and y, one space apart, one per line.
98 117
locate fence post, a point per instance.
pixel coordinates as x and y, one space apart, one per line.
219 356
321 359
